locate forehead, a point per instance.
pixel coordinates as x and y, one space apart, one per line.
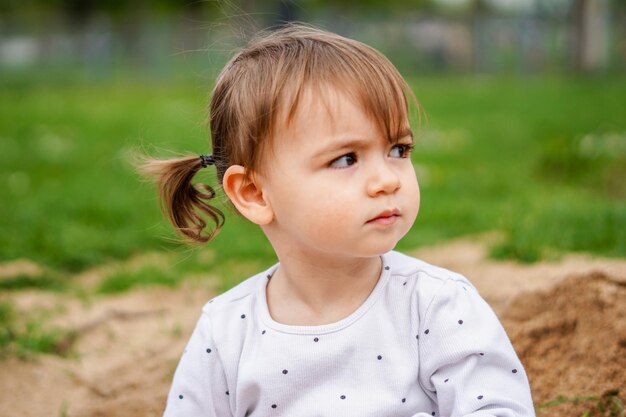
338 110
334 108
323 115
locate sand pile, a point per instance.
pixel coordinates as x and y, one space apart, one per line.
572 341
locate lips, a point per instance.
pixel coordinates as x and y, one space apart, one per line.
386 217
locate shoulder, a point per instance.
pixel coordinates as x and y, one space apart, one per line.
429 282
424 272
238 298
231 315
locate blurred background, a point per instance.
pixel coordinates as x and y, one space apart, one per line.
524 139
96 40
521 151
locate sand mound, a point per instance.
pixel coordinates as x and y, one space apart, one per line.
572 341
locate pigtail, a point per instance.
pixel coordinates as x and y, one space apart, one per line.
184 202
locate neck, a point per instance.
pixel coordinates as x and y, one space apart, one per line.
320 289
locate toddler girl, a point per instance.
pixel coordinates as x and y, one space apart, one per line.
311 141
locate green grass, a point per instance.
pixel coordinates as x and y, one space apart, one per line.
6 321
537 159
540 159
608 404
149 275
46 281
28 337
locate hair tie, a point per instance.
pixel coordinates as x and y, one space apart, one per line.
206 160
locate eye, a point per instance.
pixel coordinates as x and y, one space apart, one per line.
344 161
401 150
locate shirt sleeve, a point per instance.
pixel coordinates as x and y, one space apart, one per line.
467 363
199 387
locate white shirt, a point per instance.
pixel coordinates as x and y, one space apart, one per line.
423 344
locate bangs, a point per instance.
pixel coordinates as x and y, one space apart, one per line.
358 71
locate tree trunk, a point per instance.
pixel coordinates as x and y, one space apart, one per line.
590 25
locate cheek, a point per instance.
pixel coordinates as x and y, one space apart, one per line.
413 193
327 217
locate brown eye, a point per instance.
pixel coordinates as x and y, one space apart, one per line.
401 150
344 161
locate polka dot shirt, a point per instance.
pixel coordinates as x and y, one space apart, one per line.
424 343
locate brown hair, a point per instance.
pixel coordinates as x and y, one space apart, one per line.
265 79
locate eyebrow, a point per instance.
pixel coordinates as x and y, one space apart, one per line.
403 134
356 143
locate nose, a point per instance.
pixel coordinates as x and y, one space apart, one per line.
383 179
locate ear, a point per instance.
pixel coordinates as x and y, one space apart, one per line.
247 196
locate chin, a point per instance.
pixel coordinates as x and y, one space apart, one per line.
379 249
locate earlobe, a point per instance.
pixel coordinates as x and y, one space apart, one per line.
247 195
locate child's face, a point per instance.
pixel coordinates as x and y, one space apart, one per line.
336 186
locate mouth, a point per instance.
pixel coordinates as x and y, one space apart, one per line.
386 217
